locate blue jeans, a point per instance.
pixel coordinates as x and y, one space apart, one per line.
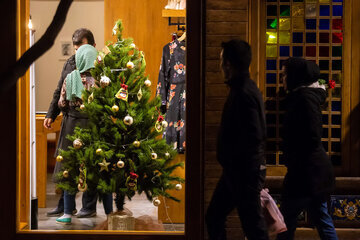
318 214
69 203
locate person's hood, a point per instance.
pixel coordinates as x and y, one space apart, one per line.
301 72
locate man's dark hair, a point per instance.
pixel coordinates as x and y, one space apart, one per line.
82 33
238 53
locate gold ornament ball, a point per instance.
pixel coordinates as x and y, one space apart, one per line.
178 186
164 124
136 143
115 108
153 156
128 120
59 158
65 174
82 188
98 151
130 65
156 202
82 106
77 143
120 164
167 155
147 83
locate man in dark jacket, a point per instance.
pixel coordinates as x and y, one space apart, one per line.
240 149
81 36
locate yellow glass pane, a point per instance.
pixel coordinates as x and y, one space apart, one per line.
298 23
311 1
284 24
298 10
284 37
324 1
271 37
271 50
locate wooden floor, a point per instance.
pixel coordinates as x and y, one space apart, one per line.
139 206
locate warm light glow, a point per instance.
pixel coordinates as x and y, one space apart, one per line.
30 26
272 36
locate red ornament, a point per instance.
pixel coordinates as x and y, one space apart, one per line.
160 118
124 86
133 175
331 84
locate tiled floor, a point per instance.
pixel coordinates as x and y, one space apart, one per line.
139 206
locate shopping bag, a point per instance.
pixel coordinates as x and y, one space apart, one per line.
273 217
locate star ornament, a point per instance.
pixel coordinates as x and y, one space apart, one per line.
104 165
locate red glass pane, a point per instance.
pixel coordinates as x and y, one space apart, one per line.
337 24
323 51
337 37
311 51
324 37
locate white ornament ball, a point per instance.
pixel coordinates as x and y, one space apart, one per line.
77 143
104 81
167 155
120 164
147 83
178 186
82 106
128 120
130 65
132 45
164 124
156 202
153 156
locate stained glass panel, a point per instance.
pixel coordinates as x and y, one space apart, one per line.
298 10
324 24
324 10
310 10
284 37
297 51
310 23
284 24
337 10
271 37
271 51
271 23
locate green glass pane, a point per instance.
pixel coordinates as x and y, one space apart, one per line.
336 92
284 10
271 23
284 37
337 51
284 24
310 10
337 78
298 23
271 37
298 10
271 51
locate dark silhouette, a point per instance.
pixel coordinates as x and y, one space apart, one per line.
13 73
310 178
240 149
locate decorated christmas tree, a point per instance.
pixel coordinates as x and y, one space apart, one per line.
120 151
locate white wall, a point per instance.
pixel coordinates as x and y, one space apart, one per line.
88 14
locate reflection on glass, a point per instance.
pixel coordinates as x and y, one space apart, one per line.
271 51
298 10
271 37
285 10
284 24
310 10
284 37
271 23
298 23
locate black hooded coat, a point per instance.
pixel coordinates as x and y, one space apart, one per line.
310 172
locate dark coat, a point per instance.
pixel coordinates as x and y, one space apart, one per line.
242 134
310 172
54 109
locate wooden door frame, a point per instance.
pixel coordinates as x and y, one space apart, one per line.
350 142
194 138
